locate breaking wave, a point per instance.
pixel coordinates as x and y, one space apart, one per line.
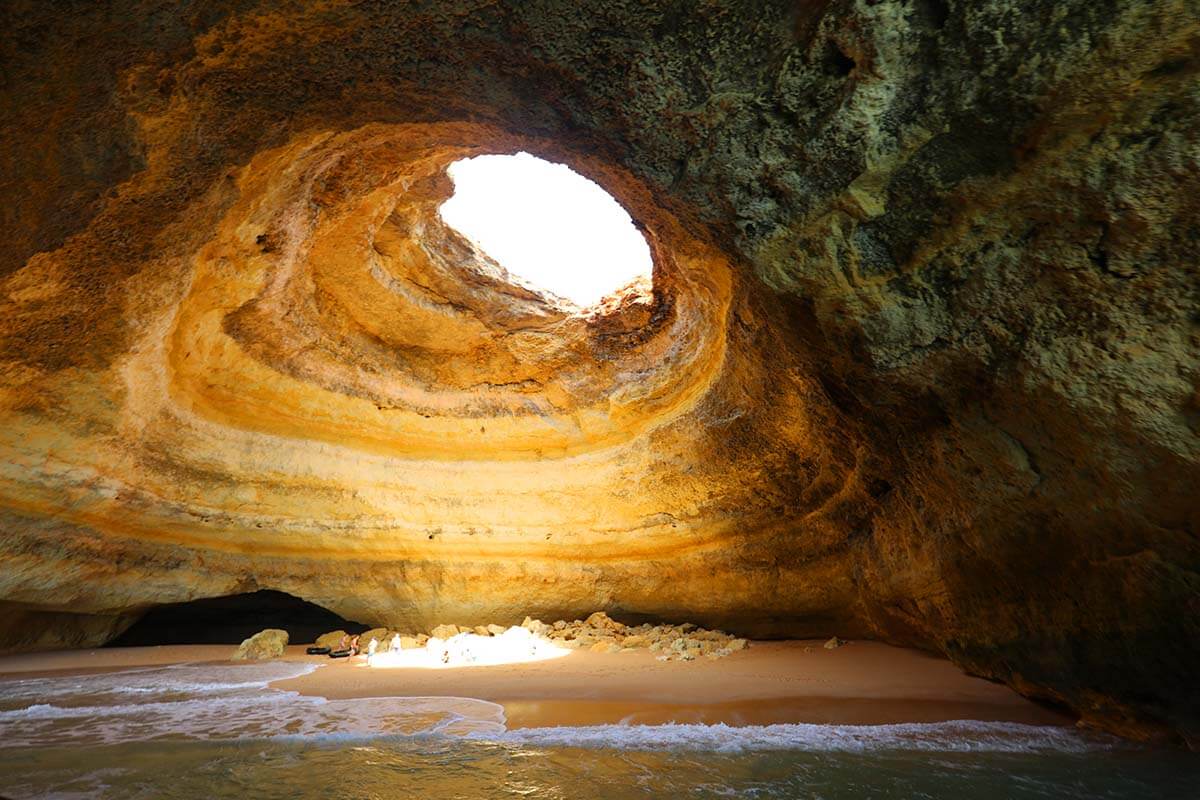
954 736
234 702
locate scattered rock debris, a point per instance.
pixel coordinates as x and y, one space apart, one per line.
599 633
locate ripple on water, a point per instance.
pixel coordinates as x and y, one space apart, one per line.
222 702
219 731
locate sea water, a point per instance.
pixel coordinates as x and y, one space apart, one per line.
218 731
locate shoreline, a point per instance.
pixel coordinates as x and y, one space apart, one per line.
861 683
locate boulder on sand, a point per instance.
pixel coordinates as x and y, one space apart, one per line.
262 645
381 635
444 632
603 621
332 640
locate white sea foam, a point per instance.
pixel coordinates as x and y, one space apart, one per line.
955 736
166 680
222 702
233 702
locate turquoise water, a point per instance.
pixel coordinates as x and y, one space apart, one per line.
216 732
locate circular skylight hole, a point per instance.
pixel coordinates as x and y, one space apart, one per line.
548 226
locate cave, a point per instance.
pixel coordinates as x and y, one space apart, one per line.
916 361
232 619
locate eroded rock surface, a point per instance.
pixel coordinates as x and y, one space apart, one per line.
265 644
920 363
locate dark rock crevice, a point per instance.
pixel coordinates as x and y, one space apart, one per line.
233 618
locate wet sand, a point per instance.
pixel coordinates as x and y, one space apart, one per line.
771 682
862 683
61 662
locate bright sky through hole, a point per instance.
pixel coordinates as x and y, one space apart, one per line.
547 225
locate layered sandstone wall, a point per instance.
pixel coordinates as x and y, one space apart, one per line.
921 361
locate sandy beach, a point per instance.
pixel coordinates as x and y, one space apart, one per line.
771 682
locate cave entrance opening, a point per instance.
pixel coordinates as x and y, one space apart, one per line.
548 226
232 618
